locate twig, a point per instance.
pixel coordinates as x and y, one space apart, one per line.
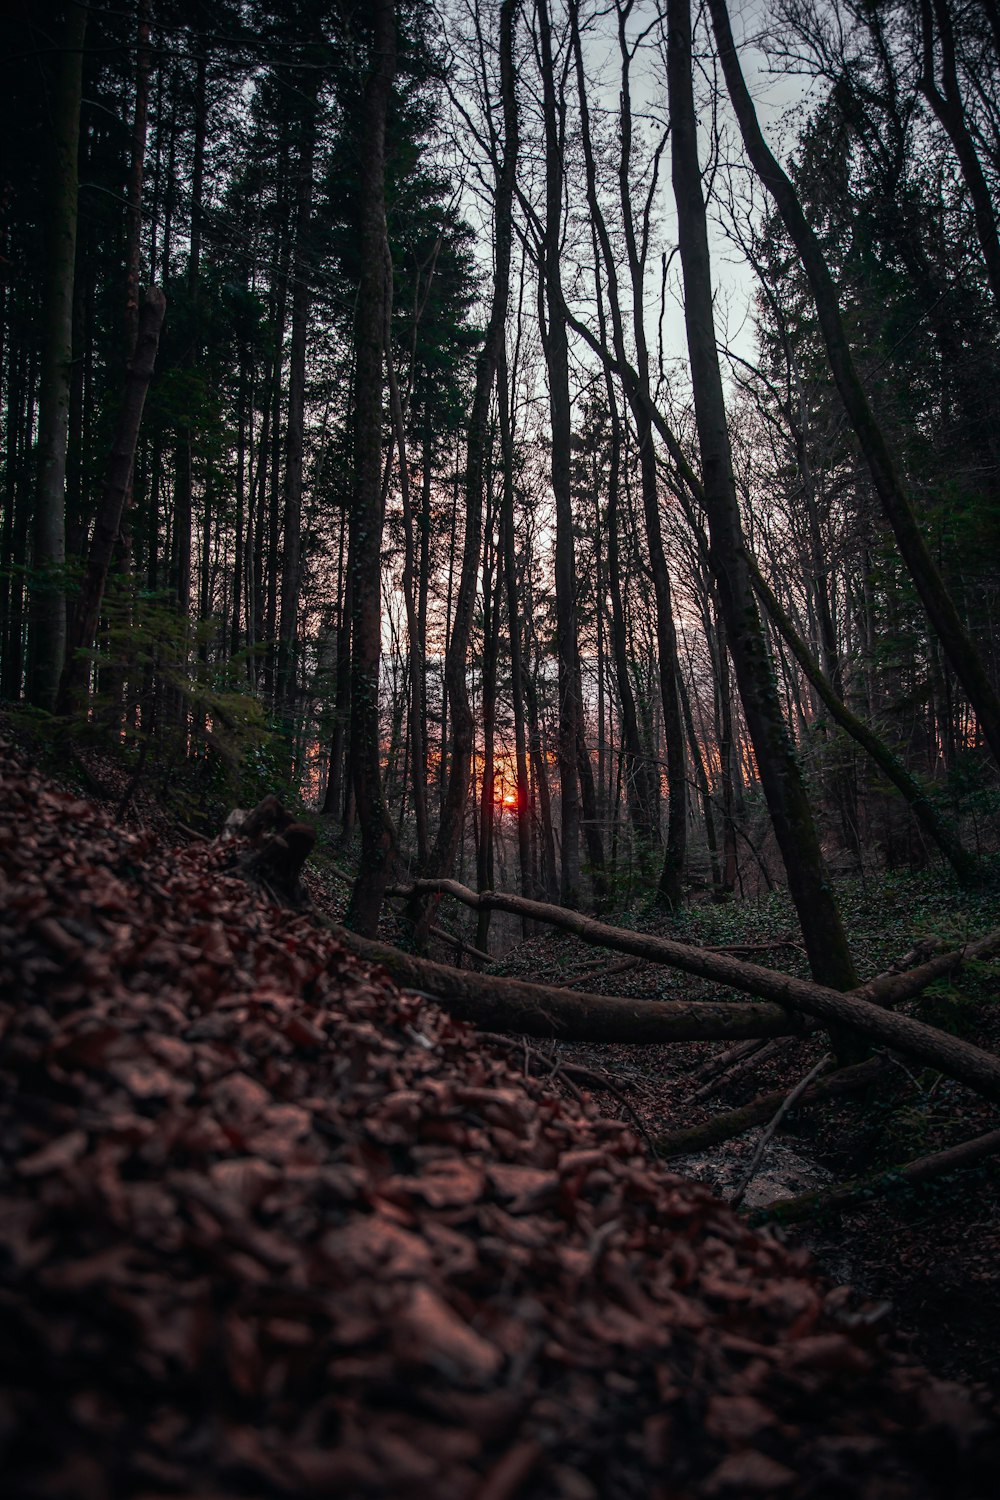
768 1132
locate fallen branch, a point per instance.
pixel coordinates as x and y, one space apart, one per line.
768 1131
743 948
734 1122
715 1065
834 1200
494 1004
460 945
726 1076
603 967
860 1009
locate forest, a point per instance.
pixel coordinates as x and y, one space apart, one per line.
480 478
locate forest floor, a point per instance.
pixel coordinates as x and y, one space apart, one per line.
931 1252
269 1227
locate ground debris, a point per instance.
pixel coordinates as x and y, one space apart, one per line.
269 1227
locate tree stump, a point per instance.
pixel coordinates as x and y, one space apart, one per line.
279 848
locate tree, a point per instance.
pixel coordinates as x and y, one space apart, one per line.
377 834
777 765
67 25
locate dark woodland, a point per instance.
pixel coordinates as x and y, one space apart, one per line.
499 749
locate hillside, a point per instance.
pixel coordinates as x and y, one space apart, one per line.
270 1226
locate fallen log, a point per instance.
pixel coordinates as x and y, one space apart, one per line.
510 1005
735 1122
859 1009
880 1184
717 965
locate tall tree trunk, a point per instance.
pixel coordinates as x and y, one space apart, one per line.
377 836
295 429
48 599
491 643
515 627
556 346
117 483
415 638
184 455
777 763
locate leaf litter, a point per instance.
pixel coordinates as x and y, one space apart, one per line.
271 1227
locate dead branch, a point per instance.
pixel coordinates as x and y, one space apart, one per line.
860 1009
727 1076
741 949
769 1129
880 1184
603 967
460 945
715 1065
734 1122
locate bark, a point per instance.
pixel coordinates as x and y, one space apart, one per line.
515 626
777 763
116 487
377 837
48 601
704 792
540 781
333 802
896 504
415 636
671 888
487 799
133 254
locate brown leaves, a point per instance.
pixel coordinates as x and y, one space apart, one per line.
269 1227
